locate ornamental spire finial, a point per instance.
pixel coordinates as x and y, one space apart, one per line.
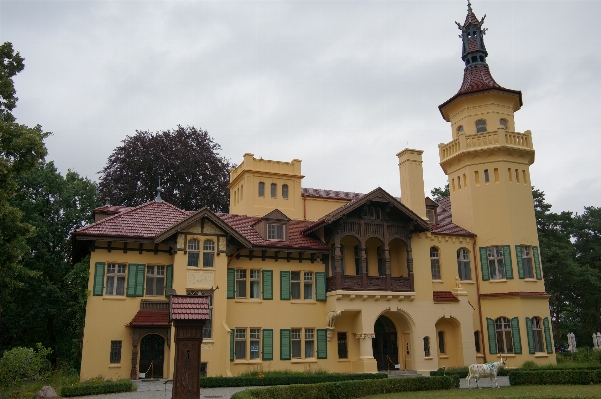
159 190
469 6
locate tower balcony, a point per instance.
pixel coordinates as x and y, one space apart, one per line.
493 140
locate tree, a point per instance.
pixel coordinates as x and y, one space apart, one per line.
186 160
12 63
49 304
440 193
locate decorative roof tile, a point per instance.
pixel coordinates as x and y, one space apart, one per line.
183 307
444 296
445 223
147 318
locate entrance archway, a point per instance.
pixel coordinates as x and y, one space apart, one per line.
152 350
385 346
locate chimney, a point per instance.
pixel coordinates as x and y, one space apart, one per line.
412 181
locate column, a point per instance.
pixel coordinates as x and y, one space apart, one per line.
337 262
363 265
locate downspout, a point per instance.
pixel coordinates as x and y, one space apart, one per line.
479 303
305 206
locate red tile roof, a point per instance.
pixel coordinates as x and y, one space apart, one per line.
184 307
243 224
144 221
111 209
330 194
444 296
147 318
471 19
445 223
517 294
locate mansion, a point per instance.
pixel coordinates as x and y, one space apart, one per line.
300 278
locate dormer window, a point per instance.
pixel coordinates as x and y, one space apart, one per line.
275 232
431 215
481 126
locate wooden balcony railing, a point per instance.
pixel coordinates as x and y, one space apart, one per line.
370 283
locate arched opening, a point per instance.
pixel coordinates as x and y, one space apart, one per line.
152 353
449 346
398 258
385 344
375 257
351 255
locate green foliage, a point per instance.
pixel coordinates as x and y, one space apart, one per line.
97 387
440 193
11 63
555 377
27 389
260 372
279 378
350 389
583 355
24 364
529 364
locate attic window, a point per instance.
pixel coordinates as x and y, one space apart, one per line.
275 232
431 215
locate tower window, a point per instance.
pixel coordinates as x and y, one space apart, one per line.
486 178
477 177
261 189
474 59
481 58
435 263
481 126
496 175
460 129
503 123
285 191
274 190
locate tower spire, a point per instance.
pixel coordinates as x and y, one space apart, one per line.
469 6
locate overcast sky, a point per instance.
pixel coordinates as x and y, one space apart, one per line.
342 85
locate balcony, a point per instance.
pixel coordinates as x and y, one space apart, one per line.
479 141
369 283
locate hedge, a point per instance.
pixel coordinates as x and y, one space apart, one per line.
216 382
87 388
462 372
350 389
555 377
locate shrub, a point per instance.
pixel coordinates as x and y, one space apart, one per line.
350 389
97 387
283 379
555 377
24 364
529 364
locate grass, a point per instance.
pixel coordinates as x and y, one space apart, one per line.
27 389
282 373
504 392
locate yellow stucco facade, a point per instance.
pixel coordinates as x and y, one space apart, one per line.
304 279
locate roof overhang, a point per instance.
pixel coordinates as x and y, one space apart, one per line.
516 106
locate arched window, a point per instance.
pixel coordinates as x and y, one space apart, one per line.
460 129
537 331
503 123
435 263
504 337
285 191
426 346
261 189
441 345
274 190
208 253
481 126
463 264
193 252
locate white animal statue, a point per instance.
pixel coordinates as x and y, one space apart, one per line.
490 370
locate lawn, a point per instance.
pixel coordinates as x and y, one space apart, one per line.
504 392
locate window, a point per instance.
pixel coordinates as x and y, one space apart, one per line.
460 129
431 215
261 189
477 177
426 346
481 126
115 352
435 263
537 331
208 253
378 214
342 259
486 178
463 264
309 343
295 292
477 341
496 265
308 285
381 263
496 172
295 336
285 191
193 252
504 337
275 232
274 190
240 345
207 329
503 123
342 346
255 284
255 342
517 176
441 347
357 260
155 280
372 213
527 261
510 176
241 192
115 280
240 283
203 369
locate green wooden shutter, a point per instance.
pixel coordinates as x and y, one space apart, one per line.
132 273
232 336
284 344
231 278
267 344
267 285
320 286
168 279
548 335
539 274
284 285
99 278
322 343
484 264
492 337
507 261
140 275
531 348
515 333
518 257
